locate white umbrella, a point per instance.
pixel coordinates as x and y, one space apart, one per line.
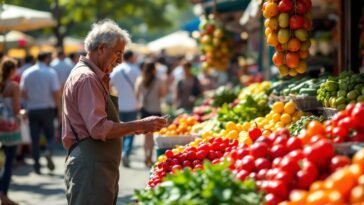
178 42
23 19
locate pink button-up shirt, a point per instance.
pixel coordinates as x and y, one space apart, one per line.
84 104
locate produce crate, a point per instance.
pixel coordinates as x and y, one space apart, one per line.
329 112
164 142
273 98
348 148
306 103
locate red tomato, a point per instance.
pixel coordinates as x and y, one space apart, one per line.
280 140
262 174
186 163
296 155
191 155
169 154
338 162
357 137
258 150
293 143
211 155
358 115
277 188
262 163
247 163
201 155
288 165
300 7
285 177
278 151
254 133
266 140
271 199
304 179
283 132
243 152
195 163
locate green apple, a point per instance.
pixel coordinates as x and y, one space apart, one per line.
283 20
283 36
301 34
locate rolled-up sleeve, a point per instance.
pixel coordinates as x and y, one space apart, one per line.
91 105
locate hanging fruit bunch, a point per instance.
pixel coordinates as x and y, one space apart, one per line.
287 27
215 45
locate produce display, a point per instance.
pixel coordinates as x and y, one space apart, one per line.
255 88
339 91
215 44
287 24
182 125
303 87
344 186
217 186
302 123
246 109
191 157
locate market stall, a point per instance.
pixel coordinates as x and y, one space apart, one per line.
297 140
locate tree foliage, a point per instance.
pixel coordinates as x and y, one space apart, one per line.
77 15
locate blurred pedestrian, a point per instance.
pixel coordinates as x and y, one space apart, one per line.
150 90
91 128
29 61
123 79
10 96
62 67
73 58
40 88
188 88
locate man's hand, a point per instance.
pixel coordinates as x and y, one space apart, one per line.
151 124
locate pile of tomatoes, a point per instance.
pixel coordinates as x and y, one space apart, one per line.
344 186
287 25
192 157
345 126
280 163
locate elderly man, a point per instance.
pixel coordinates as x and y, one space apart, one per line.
91 128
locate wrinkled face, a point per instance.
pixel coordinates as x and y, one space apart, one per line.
110 56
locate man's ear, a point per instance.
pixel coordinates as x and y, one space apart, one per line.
101 47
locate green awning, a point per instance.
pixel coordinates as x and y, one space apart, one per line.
224 6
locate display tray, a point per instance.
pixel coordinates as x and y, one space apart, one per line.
329 112
305 103
168 142
348 148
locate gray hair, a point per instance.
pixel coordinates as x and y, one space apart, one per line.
105 31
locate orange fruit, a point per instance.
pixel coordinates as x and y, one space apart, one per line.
343 181
267 31
283 70
292 59
270 10
292 72
318 197
334 198
315 128
286 118
302 67
278 107
359 158
290 107
272 39
233 134
294 44
298 196
357 194
317 185
278 58
230 126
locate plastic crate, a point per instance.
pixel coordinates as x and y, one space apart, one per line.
329 112
306 103
348 148
164 142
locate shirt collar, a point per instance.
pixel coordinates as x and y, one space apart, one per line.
42 65
104 77
99 73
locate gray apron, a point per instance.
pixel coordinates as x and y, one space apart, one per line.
92 167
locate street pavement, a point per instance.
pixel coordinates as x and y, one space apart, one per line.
28 188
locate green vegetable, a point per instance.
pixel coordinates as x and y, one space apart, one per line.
352 94
360 98
302 123
215 184
224 95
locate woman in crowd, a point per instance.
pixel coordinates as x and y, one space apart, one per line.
150 90
10 95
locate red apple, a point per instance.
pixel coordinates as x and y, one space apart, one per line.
301 7
285 6
296 22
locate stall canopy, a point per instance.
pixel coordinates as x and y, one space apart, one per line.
16 39
23 19
175 43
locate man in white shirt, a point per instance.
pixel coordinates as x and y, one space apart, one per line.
62 67
123 79
40 88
